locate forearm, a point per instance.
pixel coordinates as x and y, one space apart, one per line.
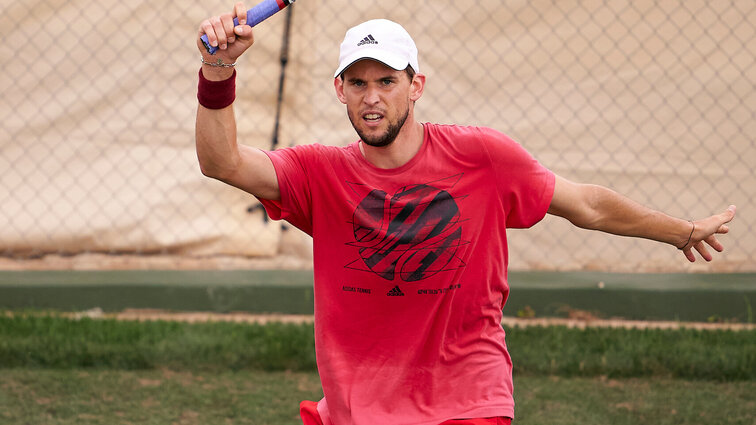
215 133
619 215
599 208
217 151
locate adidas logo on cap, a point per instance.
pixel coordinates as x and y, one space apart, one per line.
395 292
367 40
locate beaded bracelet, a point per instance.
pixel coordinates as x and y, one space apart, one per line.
218 63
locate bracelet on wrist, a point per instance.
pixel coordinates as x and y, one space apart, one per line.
219 63
689 236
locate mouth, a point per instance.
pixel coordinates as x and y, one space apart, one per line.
372 118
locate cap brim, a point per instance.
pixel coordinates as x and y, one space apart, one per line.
387 58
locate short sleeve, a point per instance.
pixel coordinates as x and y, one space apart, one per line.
525 186
293 167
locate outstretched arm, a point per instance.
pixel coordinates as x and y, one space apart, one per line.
219 154
598 208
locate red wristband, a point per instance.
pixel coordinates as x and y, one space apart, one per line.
216 94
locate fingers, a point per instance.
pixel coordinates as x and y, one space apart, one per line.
240 12
703 251
206 28
221 30
215 29
710 239
714 243
228 28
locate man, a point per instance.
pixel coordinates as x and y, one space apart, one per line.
409 232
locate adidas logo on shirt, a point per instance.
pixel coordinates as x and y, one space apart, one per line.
396 292
368 40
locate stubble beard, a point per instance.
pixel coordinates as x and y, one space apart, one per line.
387 137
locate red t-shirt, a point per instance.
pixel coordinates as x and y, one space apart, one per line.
410 272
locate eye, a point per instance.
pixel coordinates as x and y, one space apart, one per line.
358 83
387 81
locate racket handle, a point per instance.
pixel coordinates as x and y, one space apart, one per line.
257 14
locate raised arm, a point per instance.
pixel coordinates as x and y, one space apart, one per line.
598 208
219 154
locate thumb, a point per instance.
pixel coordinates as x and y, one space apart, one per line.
244 40
729 214
243 31
725 218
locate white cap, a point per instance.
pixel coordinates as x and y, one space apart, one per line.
381 40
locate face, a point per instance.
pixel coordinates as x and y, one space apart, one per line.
379 100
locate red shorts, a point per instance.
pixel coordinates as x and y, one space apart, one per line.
308 410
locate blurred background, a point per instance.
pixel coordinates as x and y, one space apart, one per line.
654 99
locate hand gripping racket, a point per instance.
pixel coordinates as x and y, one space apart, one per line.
257 14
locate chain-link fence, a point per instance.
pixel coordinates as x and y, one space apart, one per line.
654 99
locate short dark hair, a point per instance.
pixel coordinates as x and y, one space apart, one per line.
409 70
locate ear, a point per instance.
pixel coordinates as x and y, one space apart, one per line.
338 84
417 85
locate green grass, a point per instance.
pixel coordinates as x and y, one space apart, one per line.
55 342
55 370
658 401
157 397
100 397
684 353
34 341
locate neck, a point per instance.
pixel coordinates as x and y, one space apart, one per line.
406 145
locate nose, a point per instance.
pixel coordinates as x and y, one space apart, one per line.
371 95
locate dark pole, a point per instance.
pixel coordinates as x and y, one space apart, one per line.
282 77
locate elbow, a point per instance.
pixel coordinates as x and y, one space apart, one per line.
589 205
604 210
577 203
217 165
586 221
213 171
206 169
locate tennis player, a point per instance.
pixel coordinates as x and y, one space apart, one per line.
409 232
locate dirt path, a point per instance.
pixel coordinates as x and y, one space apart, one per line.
507 322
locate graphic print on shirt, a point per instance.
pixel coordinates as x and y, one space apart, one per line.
408 235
